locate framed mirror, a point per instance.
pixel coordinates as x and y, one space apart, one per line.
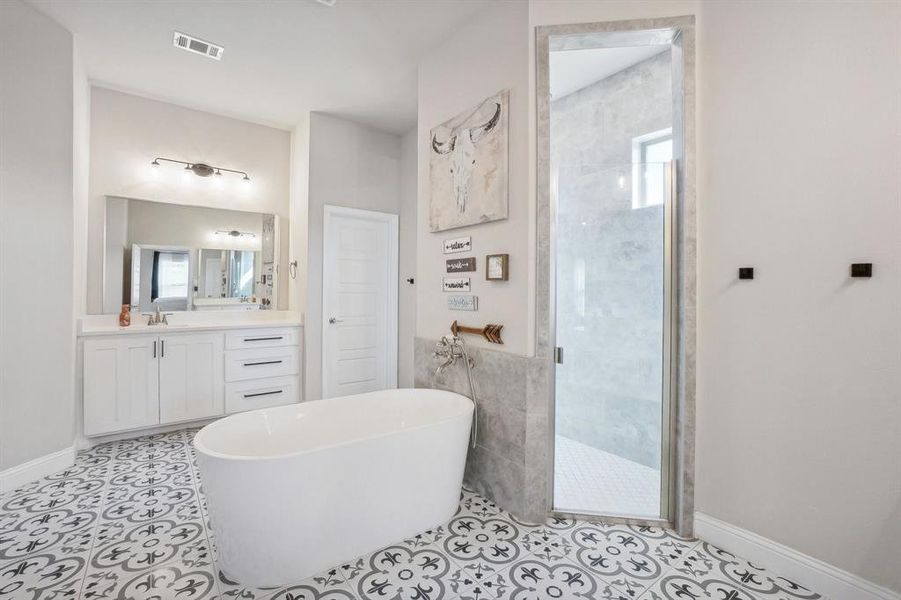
180 258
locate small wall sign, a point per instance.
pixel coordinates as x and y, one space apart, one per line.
497 267
463 302
463 244
461 265
456 284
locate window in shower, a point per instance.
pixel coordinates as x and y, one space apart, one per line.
650 152
611 151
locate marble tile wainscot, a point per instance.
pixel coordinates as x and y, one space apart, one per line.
509 462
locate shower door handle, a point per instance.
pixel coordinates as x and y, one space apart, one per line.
558 355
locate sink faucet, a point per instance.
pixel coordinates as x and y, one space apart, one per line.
156 317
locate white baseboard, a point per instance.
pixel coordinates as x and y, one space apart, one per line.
16 477
810 572
84 443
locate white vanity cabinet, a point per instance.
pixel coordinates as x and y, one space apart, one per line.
121 383
190 377
141 380
262 368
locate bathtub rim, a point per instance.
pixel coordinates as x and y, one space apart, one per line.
202 449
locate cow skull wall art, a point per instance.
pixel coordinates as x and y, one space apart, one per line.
468 166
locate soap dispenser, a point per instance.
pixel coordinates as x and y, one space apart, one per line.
125 316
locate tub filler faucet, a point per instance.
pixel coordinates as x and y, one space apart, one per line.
448 350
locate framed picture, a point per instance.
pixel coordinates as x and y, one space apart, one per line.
468 166
497 267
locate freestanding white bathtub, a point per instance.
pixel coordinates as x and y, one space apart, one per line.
297 489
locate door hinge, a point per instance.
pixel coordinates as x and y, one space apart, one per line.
558 355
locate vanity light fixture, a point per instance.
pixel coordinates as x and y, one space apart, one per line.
200 169
235 233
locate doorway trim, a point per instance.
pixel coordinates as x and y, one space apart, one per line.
391 220
680 32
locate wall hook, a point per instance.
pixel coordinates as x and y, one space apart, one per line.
862 270
410 280
746 272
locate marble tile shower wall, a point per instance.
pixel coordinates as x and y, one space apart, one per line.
610 263
510 461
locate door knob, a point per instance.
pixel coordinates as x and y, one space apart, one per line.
333 320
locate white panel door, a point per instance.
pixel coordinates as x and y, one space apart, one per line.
191 381
121 383
359 303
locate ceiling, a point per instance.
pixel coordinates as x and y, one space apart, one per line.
356 60
572 70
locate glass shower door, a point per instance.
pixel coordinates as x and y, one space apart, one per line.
612 256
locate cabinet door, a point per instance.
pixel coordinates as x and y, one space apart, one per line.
191 383
121 383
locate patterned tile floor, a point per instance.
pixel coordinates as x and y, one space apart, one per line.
587 479
128 521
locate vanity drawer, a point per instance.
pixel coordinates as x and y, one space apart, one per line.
241 365
262 338
261 393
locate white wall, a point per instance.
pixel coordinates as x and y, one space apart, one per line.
127 132
115 246
349 165
299 214
37 345
799 371
488 54
406 323
799 386
81 172
81 97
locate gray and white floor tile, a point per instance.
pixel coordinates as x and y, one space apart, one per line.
128 521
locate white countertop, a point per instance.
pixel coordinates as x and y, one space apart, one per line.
188 321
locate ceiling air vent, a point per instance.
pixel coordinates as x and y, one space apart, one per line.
197 46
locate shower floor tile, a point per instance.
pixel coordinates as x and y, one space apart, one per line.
589 480
128 522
